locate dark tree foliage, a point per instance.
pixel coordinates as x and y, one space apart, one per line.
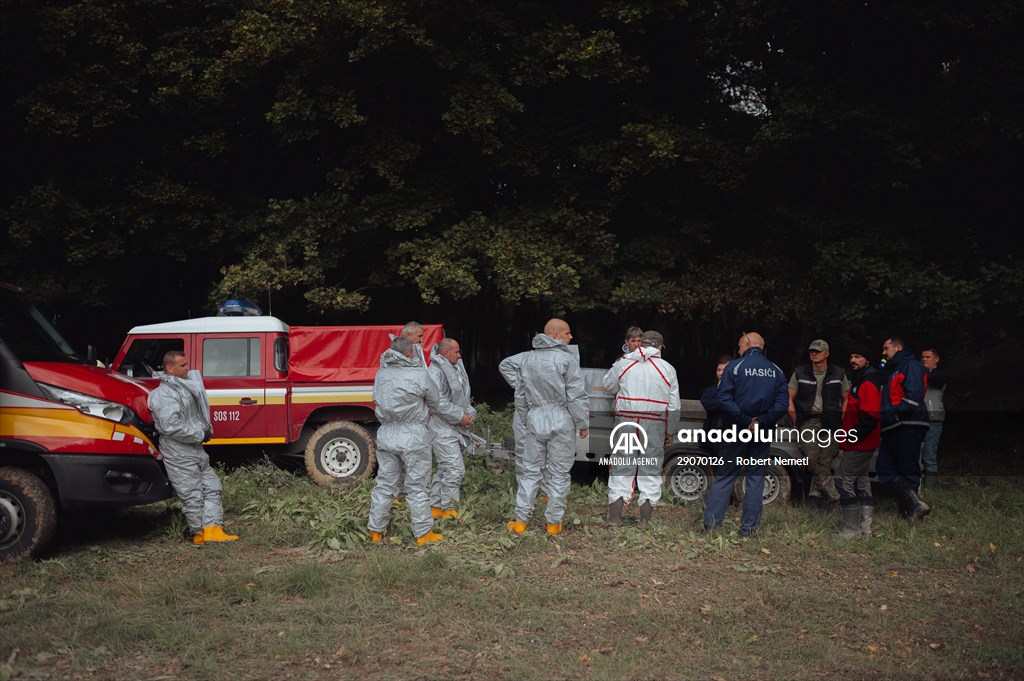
807 168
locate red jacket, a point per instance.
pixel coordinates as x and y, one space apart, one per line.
863 411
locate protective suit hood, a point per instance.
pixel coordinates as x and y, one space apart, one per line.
393 358
643 354
542 341
193 382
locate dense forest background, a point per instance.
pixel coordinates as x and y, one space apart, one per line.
828 169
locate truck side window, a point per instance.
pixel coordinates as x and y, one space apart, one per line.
231 357
281 355
146 355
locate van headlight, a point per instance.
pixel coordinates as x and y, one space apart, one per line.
87 404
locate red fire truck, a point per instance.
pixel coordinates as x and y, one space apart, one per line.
292 390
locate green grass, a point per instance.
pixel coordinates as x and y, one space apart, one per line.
304 595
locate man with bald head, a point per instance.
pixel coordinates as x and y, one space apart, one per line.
552 399
752 395
449 374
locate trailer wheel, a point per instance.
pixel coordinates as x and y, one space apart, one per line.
777 485
340 452
28 514
685 481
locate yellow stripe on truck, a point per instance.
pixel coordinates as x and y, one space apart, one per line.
246 441
332 398
228 401
27 422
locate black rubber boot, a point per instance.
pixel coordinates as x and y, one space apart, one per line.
867 514
851 522
916 509
646 510
615 512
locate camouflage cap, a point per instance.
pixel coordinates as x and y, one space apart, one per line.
652 338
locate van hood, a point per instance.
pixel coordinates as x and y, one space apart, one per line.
95 381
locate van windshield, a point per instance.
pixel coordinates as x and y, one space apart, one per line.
28 334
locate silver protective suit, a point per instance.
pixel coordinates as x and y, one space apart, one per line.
181 412
405 396
550 388
452 383
509 369
417 354
646 394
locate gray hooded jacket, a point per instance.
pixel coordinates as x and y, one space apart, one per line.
181 409
551 385
452 383
405 396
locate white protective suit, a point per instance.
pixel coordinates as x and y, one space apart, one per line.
453 387
405 397
181 412
551 389
648 395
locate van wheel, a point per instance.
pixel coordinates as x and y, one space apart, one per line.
777 485
686 482
28 514
340 452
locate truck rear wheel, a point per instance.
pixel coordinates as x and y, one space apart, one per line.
777 485
340 452
28 514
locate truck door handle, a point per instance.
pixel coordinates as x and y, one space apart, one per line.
247 401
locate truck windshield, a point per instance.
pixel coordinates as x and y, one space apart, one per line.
28 334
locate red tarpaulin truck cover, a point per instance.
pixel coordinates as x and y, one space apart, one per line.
345 354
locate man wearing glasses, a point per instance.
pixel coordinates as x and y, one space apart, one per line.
817 399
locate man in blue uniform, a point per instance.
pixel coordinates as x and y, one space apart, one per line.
752 396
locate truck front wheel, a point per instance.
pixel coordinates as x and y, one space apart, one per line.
28 514
340 452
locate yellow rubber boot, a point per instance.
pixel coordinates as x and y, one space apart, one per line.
436 513
216 533
449 514
516 526
428 538
376 537
198 538
554 528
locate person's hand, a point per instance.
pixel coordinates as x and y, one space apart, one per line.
753 424
467 419
207 434
585 432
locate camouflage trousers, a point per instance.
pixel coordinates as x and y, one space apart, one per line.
821 459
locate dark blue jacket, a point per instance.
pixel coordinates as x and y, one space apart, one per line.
903 397
713 410
752 387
